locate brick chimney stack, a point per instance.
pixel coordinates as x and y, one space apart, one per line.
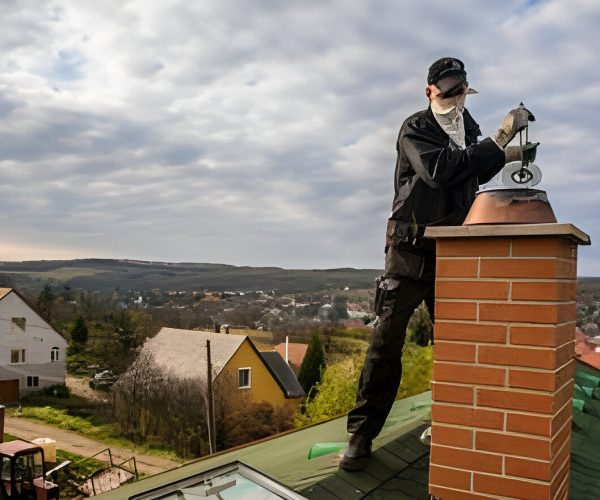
503 364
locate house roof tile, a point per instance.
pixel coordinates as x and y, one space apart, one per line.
296 352
183 352
586 350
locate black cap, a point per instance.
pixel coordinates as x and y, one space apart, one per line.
446 66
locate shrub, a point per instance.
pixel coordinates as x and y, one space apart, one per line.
336 393
420 326
57 391
78 364
417 363
256 421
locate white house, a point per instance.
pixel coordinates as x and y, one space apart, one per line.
32 352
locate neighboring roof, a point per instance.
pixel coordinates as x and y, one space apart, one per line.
284 374
586 350
4 292
399 461
183 352
296 352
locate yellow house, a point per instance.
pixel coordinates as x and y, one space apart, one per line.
262 376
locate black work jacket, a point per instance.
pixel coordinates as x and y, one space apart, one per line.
435 180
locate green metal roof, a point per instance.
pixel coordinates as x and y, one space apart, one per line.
285 458
585 439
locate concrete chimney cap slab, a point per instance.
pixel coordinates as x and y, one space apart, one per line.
503 230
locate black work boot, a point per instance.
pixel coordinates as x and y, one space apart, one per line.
357 455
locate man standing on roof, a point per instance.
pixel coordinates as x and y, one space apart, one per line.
439 167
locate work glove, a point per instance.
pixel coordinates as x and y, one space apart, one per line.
521 153
513 153
515 121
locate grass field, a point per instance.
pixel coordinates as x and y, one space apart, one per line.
90 426
66 273
106 274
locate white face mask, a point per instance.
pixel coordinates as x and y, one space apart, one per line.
444 106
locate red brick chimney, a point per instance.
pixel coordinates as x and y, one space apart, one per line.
503 369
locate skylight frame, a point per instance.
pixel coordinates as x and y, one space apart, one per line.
246 471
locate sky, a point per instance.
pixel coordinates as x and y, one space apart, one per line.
263 133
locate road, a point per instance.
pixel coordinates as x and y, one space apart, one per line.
75 443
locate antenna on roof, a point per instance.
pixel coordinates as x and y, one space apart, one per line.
212 437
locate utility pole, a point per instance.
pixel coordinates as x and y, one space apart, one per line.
212 438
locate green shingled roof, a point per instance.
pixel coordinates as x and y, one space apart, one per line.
585 440
399 469
285 458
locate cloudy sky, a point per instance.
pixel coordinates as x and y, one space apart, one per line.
263 132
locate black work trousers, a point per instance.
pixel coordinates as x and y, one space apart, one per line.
382 369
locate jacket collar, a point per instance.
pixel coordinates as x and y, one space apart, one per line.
472 130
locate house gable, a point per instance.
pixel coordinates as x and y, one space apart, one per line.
21 327
31 350
183 354
263 384
13 297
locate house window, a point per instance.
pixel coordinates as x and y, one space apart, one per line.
54 354
244 378
17 356
33 381
18 324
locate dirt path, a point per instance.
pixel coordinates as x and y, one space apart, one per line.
81 387
73 442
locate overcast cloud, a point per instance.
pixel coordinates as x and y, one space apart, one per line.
263 132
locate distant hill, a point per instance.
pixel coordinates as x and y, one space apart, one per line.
107 274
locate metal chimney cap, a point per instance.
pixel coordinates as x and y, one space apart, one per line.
511 206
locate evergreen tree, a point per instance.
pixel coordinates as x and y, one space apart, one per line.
79 332
312 365
421 326
46 302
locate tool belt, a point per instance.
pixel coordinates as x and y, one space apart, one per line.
399 232
408 253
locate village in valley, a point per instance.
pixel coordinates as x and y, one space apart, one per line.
129 368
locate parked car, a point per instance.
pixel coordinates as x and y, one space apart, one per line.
103 380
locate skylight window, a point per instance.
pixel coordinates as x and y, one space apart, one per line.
235 481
